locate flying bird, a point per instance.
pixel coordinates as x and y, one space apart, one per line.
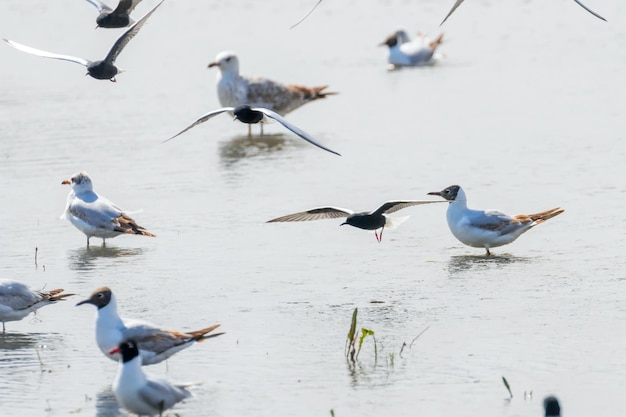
375 220
139 393
118 18
95 215
155 343
104 69
251 115
235 90
412 53
487 228
18 301
458 3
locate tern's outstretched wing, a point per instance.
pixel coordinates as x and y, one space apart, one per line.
314 214
45 54
456 4
100 6
589 10
202 119
395 205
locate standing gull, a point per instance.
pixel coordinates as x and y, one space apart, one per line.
155 344
104 69
412 53
251 115
487 228
138 393
94 215
235 90
365 220
18 301
118 18
457 3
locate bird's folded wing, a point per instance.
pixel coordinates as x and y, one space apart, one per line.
161 395
314 214
99 213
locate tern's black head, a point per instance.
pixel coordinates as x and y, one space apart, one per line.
113 20
245 114
552 407
100 298
127 349
449 193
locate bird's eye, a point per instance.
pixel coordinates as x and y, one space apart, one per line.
447 191
228 59
100 295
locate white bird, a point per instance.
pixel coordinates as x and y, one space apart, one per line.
251 115
118 18
375 220
487 228
457 3
412 53
94 215
18 301
155 343
551 407
104 69
235 90
138 393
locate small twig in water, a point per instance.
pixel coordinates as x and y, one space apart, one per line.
36 250
421 333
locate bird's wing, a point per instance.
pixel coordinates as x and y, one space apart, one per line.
100 6
98 213
17 295
126 6
314 214
395 205
161 395
306 15
202 119
589 10
456 4
45 54
273 115
493 220
130 33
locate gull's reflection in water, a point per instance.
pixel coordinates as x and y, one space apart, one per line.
89 258
20 350
462 263
106 404
245 147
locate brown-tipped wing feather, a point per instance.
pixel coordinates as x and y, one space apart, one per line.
162 340
282 98
125 224
539 217
55 295
314 214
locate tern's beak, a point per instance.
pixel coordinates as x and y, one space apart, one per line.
66 182
114 350
213 64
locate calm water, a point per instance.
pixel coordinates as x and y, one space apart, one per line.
525 112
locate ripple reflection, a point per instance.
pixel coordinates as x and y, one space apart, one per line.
87 258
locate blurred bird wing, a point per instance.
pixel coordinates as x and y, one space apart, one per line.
126 6
130 33
273 115
100 6
45 54
202 119
314 214
456 4
589 10
395 205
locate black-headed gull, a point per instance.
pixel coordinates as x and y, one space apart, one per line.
404 52
104 69
551 406
118 18
487 228
457 3
94 215
235 90
374 220
155 343
18 301
138 393
251 115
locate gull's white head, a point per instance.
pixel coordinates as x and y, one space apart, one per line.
80 182
226 61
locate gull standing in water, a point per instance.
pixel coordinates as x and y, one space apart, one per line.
18 301
138 393
155 343
118 18
487 228
457 3
375 220
251 115
94 215
404 52
104 69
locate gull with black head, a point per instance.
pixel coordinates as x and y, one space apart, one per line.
104 69
366 220
252 115
487 228
404 52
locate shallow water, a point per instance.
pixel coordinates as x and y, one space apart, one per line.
524 112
